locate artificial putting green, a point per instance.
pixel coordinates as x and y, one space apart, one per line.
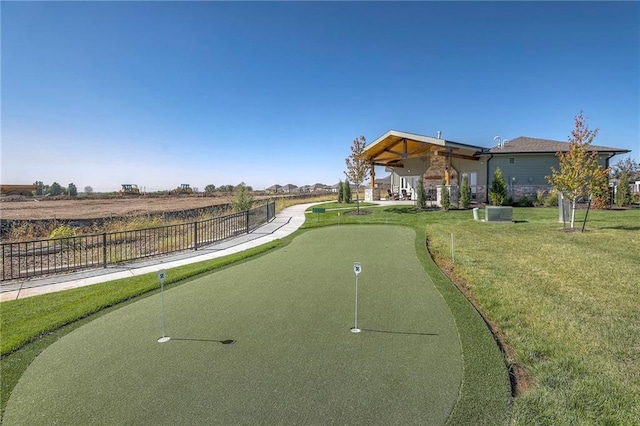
294 360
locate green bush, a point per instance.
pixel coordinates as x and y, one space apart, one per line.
243 199
524 201
63 234
445 200
422 194
551 200
623 195
346 192
340 191
498 191
63 231
465 192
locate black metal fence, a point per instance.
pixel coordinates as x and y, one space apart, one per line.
44 257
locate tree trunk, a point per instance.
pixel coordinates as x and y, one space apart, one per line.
573 213
358 199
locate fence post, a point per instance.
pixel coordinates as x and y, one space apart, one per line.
247 221
104 249
195 236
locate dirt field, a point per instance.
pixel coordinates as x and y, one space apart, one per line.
89 208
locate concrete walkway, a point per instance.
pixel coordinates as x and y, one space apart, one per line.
285 223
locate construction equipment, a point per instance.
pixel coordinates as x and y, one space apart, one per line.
26 190
129 189
183 189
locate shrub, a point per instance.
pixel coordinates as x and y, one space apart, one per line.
346 192
465 192
551 200
623 196
524 201
243 199
498 191
421 193
340 193
445 200
63 234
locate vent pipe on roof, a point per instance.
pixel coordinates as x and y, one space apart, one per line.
439 134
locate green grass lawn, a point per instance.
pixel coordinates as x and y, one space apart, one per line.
294 360
566 303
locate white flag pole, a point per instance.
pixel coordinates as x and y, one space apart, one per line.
162 275
357 268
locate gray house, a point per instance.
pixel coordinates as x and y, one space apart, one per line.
524 163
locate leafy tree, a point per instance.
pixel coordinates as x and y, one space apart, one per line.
72 190
580 173
623 196
346 192
209 189
40 187
498 191
628 165
465 192
88 190
243 199
421 194
340 194
600 192
445 200
358 168
55 189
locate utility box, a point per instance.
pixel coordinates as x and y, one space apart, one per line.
498 214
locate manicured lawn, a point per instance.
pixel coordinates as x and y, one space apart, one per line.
566 303
294 360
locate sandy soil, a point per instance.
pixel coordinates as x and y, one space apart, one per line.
88 208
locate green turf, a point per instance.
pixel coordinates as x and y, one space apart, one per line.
294 360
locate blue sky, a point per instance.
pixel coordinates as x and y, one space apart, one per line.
163 93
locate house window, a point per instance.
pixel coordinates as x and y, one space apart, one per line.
512 160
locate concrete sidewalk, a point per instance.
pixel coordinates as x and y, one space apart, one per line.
285 223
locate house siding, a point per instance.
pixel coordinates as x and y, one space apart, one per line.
526 175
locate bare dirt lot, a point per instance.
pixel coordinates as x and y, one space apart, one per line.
95 208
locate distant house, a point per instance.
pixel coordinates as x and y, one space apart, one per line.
305 189
524 162
289 188
320 187
274 189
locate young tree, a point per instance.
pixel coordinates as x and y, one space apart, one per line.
465 192
421 194
358 168
580 173
628 165
55 189
623 196
72 190
498 192
445 200
209 188
40 187
88 190
243 199
340 194
346 192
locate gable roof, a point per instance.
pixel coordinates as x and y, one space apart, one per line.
394 146
527 145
